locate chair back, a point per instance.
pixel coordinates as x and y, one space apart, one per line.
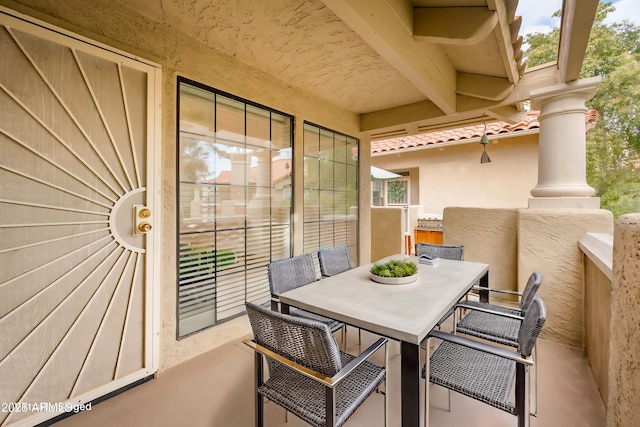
530 291
305 341
531 326
334 260
440 251
291 273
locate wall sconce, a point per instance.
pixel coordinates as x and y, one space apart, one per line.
484 141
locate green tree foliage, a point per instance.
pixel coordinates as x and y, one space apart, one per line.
613 163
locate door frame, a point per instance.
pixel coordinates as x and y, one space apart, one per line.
28 24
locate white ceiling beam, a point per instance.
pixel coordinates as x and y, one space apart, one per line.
403 115
426 113
509 114
533 78
383 24
484 87
577 20
453 25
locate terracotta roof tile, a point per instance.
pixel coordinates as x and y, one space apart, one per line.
468 132
454 135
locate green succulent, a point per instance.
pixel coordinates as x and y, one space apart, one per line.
394 268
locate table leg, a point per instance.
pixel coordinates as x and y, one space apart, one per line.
410 384
484 283
284 308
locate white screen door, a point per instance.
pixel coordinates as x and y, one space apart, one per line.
77 304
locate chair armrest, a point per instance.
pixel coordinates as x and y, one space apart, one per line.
486 348
346 369
488 310
314 375
287 362
499 291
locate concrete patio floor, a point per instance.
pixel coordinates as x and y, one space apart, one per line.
216 390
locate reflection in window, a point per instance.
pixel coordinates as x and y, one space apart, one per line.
330 190
377 193
234 203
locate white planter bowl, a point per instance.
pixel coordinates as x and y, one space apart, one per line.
394 280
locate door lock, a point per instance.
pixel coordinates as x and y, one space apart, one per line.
142 219
144 227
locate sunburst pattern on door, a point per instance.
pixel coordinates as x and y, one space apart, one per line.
74 123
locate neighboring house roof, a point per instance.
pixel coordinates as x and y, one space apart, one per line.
280 169
461 134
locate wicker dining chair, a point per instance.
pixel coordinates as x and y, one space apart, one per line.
441 251
334 260
485 320
308 374
500 324
290 273
486 373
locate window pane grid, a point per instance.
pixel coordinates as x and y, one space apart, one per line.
234 203
330 189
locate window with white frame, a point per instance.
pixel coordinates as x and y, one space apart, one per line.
397 192
392 192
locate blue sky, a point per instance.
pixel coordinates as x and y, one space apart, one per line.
536 14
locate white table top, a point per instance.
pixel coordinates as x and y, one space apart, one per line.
403 312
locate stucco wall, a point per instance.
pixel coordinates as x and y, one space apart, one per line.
387 232
624 368
548 243
489 236
453 175
112 24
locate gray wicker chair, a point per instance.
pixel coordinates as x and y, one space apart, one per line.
334 260
308 375
494 322
440 251
486 373
291 273
500 324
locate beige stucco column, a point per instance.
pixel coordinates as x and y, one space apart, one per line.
562 146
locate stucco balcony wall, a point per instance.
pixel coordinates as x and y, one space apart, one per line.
489 236
598 260
387 231
548 242
516 242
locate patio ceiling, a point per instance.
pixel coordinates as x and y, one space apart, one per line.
405 66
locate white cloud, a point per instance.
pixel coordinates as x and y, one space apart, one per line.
536 15
626 9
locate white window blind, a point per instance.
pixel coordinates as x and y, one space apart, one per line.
234 204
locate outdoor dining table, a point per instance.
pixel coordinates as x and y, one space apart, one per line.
406 313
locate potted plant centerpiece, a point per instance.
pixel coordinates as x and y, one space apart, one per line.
394 272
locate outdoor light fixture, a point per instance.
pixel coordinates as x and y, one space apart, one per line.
484 141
